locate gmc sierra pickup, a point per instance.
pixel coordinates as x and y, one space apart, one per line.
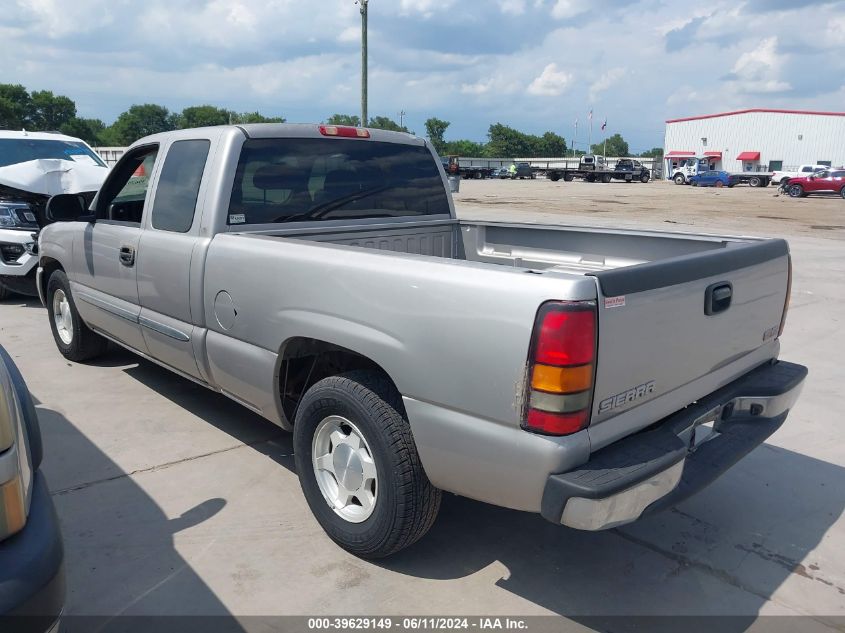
318 275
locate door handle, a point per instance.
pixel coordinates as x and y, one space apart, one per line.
127 256
717 297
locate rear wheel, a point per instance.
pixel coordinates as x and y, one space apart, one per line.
75 340
679 179
358 465
645 177
606 178
796 191
569 177
554 176
755 181
842 192
5 293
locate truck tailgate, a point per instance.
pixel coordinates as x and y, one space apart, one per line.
668 327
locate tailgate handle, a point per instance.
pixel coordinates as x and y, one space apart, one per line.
717 297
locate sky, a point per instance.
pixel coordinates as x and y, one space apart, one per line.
535 65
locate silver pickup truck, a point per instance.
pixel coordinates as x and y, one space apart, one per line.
318 275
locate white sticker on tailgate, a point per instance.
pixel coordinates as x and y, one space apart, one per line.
237 218
614 302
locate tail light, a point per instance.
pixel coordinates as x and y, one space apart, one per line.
788 296
344 131
561 368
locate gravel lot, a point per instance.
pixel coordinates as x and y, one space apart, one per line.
176 500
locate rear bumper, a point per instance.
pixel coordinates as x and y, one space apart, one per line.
32 582
677 457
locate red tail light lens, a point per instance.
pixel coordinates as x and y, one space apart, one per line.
566 337
344 131
561 368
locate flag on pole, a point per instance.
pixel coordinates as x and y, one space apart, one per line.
604 125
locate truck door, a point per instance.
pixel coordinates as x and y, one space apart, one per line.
171 238
104 275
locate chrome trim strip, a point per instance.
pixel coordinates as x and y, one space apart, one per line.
161 328
108 307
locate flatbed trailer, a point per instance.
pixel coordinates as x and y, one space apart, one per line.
590 175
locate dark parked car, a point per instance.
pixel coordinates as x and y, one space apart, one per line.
32 582
523 170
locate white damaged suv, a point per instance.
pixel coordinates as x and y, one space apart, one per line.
33 167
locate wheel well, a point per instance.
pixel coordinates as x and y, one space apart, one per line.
48 266
305 361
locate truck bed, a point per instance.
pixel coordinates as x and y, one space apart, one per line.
651 288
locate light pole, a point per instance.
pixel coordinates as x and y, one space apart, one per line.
402 114
363 4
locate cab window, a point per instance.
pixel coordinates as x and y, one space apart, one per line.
179 185
125 192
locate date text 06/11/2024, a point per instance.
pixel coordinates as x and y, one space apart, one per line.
417 623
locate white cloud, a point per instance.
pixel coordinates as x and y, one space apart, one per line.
565 9
512 7
350 34
605 81
759 69
427 8
551 82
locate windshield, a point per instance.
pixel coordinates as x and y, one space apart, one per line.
21 150
307 179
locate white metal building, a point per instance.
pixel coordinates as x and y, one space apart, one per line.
757 139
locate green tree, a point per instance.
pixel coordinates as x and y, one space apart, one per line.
49 111
654 152
507 142
616 146
463 148
344 119
435 129
255 117
89 130
551 145
138 121
386 123
15 106
202 116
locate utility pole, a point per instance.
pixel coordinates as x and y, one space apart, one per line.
364 119
402 114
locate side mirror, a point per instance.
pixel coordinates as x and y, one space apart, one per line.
812 178
66 207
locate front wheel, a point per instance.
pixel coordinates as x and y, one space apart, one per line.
679 179
796 191
719 184
75 340
358 465
645 178
5 293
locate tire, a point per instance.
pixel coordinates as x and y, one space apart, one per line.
796 191
404 504
755 181
554 177
76 341
765 182
645 178
5 293
694 183
718 184
569 177
842 192
606 178
590 178
679 179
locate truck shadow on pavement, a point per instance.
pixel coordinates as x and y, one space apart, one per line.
723 552
121 562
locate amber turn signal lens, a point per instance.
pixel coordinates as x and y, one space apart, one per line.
12 507
562 379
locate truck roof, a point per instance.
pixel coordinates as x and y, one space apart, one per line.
281 130
41 136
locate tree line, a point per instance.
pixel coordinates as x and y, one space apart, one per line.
41 110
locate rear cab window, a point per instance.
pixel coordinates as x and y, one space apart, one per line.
313 179
22 150
178 186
